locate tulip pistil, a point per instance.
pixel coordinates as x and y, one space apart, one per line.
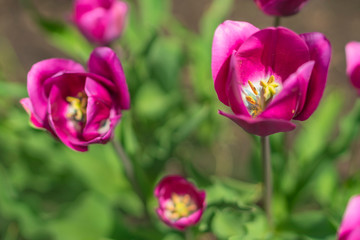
179 206
261 96
77 107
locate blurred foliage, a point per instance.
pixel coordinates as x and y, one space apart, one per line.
50 192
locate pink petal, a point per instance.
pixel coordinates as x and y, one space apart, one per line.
280 7
320 52
351 218
261 126
277 51
228 37
352 51
104 62
292 96
26 103
116 20
38 76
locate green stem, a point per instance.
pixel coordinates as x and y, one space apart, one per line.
267 177
277 21
130 174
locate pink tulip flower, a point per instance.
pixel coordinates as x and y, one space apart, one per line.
350 226
280 7
76 106
268 77
352 50
181 204
101 21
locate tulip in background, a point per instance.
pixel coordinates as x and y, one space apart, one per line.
352 50
280 7
181 204
268 77
101 21
76 106
350 226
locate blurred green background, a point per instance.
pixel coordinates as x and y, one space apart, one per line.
48 191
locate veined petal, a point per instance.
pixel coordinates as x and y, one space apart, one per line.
351 219
228 37
320 52
261 126
104 62
292 97
352 51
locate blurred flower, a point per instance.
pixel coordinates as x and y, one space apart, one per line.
352 50
78 107
101 21
350 226
181 204
268 77
280 7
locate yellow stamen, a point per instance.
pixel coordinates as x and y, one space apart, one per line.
78 105
253 87
269 87
180 206
250 100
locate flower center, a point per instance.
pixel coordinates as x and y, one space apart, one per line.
179 206
77 107
257 98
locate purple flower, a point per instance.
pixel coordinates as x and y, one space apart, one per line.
350 226
181 204
75 106
101 21
352 50
268 77
280 7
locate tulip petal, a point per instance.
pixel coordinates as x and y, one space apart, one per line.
351 218
228 37
280 7
38 76
275 51
260 126
354 235
93 25
65 130
352 51
292 97
116 20
26 103
320 52
100 120
104 62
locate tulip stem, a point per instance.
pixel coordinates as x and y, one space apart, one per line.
130 173
267 177
277 21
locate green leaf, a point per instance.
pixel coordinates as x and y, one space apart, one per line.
313 137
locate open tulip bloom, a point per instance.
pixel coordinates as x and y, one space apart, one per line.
353 63
280 7
76 106
268 77
350 226
181 204
101 21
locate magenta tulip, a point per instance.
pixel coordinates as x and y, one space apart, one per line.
352 50
268 77
280 7
101 21
181 204
75 106
350 226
